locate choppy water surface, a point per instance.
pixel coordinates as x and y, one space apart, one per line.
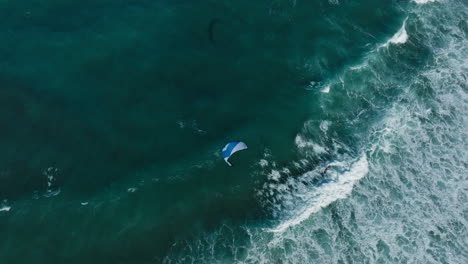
114 114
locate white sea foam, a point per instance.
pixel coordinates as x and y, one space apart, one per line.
303 143
51 174
326 194
274 175
357 67
5 208
400 37
326 89
300 142
324 126
424 1
51 193
132 189
263 163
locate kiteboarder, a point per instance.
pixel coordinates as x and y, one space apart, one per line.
326 169
231 148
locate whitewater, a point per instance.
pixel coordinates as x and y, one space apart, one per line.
114 115
401 196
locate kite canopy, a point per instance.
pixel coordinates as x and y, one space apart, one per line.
231 148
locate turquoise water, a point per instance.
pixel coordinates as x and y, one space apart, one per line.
114 114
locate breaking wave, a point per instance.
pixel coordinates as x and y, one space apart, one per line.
402 199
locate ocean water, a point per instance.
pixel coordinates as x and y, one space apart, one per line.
114 114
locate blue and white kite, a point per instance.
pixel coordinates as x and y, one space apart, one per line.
231 148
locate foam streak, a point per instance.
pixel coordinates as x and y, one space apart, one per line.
328 193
